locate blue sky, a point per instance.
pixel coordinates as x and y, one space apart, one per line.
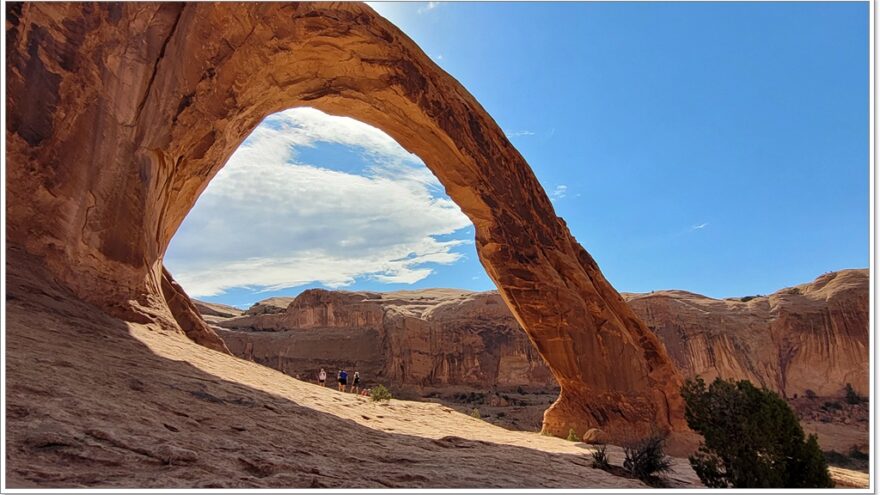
720 148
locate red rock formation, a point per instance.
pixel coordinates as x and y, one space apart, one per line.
413 339
187 315
812 336
119 114
270 306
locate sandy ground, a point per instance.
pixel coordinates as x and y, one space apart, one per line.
96 402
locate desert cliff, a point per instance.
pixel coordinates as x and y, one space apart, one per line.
411 339
813 336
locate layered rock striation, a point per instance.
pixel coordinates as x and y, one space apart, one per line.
435 338
812 337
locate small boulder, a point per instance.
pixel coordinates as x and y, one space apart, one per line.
171 454
595 436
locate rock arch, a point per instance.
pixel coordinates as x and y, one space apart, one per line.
120 114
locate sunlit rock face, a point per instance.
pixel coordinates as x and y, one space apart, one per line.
120 114
812 336
411 340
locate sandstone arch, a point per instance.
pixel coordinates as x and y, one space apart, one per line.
120 114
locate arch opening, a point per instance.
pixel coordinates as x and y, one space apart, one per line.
326 230
102 222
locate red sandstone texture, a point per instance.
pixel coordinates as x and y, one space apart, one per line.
118 115
812 336
433 338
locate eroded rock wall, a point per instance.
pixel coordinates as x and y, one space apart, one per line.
409 340
810 337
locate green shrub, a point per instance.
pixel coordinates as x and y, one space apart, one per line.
646 460
752 438
475 413
600 457
572 436
380 393
851 396
857 454
836 458
832 405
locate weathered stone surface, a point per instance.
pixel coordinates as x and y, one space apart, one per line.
269 306
813 336
187 316
430 338
594 436
218 310
120 114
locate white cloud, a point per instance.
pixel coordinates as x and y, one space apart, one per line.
439 56
267 221
519 133
559 192
428 6
700 226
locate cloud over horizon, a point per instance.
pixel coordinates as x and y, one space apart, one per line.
269 221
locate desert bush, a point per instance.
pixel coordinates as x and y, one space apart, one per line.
572 436
856 453
836 458
380 393
646 460
752 438
809 394
500 414
600 457
475 413
832 405
851 396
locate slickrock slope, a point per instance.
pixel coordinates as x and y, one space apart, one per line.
94 401
812 336
218 310
119 114
427 338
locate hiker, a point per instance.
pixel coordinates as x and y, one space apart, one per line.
342 376
356 382
322 377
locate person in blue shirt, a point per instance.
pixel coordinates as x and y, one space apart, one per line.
342 377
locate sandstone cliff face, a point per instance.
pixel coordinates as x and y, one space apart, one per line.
410 339
813 336
269 306
120 113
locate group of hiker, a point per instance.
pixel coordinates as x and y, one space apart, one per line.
342 381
